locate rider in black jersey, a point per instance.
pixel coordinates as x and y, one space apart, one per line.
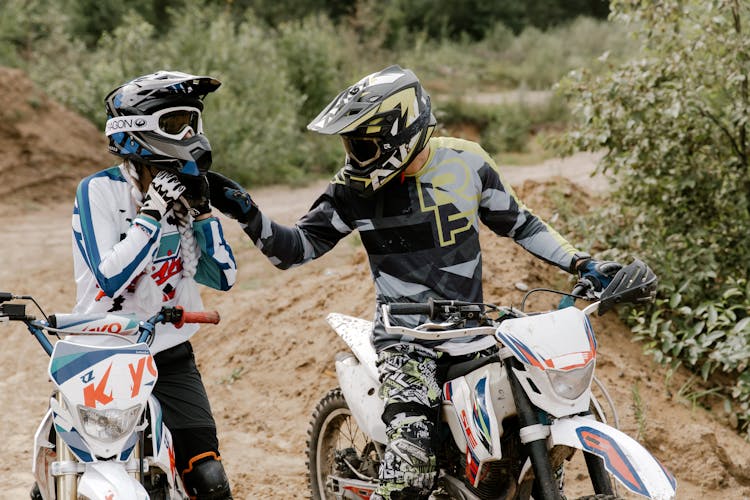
416 201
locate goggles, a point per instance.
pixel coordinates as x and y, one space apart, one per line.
363 150
173 123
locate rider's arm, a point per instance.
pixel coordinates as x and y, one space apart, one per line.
216 267
313 235
502 211
114 259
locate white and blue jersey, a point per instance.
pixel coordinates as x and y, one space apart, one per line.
114 246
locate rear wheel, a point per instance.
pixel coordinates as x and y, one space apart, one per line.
338 448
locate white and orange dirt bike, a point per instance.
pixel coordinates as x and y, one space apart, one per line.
509 421
103 437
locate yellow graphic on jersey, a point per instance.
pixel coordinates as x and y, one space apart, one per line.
450 190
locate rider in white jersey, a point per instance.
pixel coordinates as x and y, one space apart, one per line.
144 236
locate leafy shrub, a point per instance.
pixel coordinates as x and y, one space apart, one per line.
674 124
506 126
253 120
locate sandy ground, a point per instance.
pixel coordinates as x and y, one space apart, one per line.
271 359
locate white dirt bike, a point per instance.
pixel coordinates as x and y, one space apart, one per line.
103 437
508 420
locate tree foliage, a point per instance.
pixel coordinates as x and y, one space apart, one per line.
281 62
674 125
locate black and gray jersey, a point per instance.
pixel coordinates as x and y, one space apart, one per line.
420 231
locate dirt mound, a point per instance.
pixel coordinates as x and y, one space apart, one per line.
46 148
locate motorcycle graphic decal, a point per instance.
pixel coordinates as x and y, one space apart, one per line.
534 340
481 417
94 393
602 445
129 447
107 323
669 475
448 391
590 333
522 352
75 442
472 466
362 493
65 366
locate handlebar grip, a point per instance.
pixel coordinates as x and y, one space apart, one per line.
578 290
405 308
201 317
197 317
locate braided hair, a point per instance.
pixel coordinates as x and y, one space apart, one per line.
149 294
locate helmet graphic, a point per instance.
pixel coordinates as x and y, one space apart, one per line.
156 119
384 121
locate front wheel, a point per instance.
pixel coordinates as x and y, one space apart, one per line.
342 461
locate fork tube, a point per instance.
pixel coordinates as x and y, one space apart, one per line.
598 474
137 473
545 484
67 484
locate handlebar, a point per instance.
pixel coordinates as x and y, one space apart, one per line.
97 324
582 289
434 309
405 308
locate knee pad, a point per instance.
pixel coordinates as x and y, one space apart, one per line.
205 478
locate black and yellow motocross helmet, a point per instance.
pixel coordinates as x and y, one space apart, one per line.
385 120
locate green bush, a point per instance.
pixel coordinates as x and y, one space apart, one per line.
278 71
673 124
254 120
507 126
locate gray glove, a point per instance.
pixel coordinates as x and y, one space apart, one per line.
161 195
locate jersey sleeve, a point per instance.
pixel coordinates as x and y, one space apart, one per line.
502 211
114 259
216 266
314 234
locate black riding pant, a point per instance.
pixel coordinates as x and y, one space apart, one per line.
184 402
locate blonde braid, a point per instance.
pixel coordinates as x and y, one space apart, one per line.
131 175
189 244
148 295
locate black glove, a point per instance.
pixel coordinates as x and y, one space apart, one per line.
598 272
230 198
164 190
197 194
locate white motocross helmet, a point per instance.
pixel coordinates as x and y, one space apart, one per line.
149 119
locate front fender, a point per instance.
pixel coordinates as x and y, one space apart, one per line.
623 456
108 480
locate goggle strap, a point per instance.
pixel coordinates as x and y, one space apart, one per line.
131 123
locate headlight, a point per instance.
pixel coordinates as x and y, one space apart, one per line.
108 425
570 384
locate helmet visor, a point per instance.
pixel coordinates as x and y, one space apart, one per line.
363 150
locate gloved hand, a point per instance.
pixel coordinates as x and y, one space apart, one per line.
164 190
229 197
598 272
197 194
